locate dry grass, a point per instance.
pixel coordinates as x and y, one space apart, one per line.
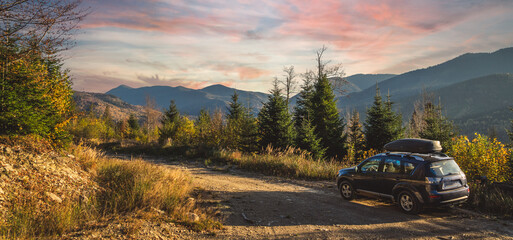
139 185
489 198
124 187
292 163
26 220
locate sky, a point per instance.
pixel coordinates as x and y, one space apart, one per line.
245 44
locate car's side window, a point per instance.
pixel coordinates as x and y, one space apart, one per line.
392 165
409 167
372 165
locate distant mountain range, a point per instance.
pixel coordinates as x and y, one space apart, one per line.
189 101
359 82
476 90
479 104
459 69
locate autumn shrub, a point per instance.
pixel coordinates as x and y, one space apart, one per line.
352 157
482 157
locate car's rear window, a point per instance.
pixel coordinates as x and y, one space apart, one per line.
444 168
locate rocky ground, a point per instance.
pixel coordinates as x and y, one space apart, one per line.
40 177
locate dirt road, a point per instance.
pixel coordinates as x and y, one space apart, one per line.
255 206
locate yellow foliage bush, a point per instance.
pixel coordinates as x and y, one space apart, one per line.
482 157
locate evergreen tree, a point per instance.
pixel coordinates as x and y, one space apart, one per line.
355 136
304 108
235 109
248 133
437 126
382 125
35 94
307 140
415 124
241 128
170 123
203 127
171 115
107 117
108 123
133 123
329 126
274 121
133 126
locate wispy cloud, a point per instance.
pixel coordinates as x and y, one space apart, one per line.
246 42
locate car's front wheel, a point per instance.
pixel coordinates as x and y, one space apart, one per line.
408 202
347 190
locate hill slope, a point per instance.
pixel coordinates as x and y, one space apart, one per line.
464 67
119 109
475 105
188 101
364 81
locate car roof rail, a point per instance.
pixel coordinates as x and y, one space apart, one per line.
438 154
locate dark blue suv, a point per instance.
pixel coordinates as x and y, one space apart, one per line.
413 180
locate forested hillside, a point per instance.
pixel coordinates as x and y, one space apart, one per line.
188 101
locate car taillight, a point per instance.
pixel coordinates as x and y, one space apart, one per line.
434 196
432 180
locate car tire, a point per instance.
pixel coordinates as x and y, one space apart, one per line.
346 190
408 202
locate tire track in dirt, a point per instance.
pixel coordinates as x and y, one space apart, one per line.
254 206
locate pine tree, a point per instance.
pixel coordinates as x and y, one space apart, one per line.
307 140
242 128
304 108
171 115
249 133
133 126
235 109
329 126
274 121
108 123
382 125
35 94
355 136
394 120
170 122
437 126
202 125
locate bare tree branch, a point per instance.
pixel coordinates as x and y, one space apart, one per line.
42 25
334 72
289 82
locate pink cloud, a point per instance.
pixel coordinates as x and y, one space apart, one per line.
172 18
243 72
156 80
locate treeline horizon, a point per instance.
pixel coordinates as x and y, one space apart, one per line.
314 125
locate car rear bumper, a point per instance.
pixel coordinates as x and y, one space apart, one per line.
448 197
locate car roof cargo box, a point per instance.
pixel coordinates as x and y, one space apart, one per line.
414 145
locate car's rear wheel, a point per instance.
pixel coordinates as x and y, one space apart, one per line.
346 190
408 202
